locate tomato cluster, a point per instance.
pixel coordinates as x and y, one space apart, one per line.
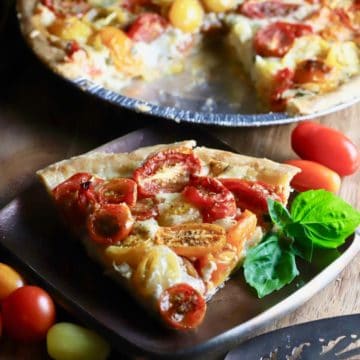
326 155
28 315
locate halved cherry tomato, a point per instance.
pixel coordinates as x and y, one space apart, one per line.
116 191
267 9
252 195
213 199
166 171
110 223
182 307
242 231
28 313
311 71
147 27
283 80
145 209
314 176
10 280
75 196
327 146
277 38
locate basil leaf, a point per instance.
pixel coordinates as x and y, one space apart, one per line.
327 220
302 245
278 213
269 267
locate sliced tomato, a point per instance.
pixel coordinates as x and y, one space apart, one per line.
166 171
145 209
213 199
110 223
147 27
72 47
65 8
283 80
277 38
252 195
311 71
182 307
75 196
267 9
116 191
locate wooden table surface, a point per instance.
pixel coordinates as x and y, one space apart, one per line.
42 120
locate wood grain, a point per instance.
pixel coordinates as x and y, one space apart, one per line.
42 120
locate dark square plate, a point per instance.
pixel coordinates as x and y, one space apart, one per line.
30 231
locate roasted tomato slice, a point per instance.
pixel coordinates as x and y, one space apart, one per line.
277 38
182 307
147 27
252 195
65 8
267 9
145 209
213 199
166 171
110 223
283 80
311 71
116 191
75 197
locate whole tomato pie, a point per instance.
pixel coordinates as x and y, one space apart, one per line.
169 222
302 56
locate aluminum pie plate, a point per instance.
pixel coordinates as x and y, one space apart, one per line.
211 89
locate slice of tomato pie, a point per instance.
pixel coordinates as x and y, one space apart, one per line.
169 222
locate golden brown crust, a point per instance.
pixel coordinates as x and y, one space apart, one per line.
305 105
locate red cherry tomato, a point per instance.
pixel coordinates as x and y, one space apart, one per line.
327 146
277 38
75 196
314 176
110 223
28 313
116 191
213 199
145 209
182 307
147 27
267 9
180 165
310 71
252 195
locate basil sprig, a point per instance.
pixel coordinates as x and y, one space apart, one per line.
317 219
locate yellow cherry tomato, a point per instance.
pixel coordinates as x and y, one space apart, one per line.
187 15
219 5
10 280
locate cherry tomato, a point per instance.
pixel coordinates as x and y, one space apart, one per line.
182 307
213 199
314 176
145 209
147 27
311 71
327 146
28 313
175 164
10 280
277 38
110 223
283 80
267 9
67 341
252 195
75 196
116 191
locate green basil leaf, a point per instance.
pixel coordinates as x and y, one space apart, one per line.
278 213
269 267
302 245
327 220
